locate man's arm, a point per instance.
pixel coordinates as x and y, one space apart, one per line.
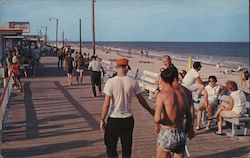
105 109
158 109
198 79
158 113
145 105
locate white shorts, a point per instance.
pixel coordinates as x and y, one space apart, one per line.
79 70
229 114
192 87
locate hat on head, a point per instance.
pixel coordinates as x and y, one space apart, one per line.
197 65
122 62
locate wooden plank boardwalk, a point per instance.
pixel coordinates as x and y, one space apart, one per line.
52 119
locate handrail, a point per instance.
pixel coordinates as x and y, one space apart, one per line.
4 98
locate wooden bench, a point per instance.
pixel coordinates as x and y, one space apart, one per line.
109 69
149 82
243 121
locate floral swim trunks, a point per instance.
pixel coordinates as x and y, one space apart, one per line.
171 140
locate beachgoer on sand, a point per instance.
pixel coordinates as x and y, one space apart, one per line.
119 92
171 109
244 75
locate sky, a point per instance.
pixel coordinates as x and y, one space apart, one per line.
135 20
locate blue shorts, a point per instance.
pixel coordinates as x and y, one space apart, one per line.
171 140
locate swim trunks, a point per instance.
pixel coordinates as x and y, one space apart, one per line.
171 140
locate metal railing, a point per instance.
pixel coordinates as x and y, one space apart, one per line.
4 99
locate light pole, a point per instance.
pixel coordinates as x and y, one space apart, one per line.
38 34
56 27
80 32
45 37
93 26
63 37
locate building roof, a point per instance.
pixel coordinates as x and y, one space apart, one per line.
10 31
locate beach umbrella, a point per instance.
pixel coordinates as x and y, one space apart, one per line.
189 63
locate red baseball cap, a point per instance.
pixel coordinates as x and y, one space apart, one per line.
122 62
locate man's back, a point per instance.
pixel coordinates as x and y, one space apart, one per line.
174 108
122 89
190 77
95 65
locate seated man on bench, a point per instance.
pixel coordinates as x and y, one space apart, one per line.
236 106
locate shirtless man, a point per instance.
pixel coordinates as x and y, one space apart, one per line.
176 85
171 108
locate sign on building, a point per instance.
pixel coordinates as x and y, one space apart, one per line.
20 25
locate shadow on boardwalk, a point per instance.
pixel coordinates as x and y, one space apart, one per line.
52 119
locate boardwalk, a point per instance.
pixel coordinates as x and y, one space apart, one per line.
52 119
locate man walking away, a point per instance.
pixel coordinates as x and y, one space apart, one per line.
95 67
120 123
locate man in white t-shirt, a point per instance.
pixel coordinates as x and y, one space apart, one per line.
119 92
193 82
95 67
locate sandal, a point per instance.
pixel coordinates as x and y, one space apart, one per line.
207 128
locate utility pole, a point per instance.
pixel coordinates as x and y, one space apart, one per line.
56 19
80 27
63 37
93 26
46 35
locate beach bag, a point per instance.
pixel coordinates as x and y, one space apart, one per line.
246 73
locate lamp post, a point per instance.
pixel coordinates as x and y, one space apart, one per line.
93 26
80 32
63 37
53 18
46 33
38 34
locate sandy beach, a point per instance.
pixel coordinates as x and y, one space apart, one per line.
153 63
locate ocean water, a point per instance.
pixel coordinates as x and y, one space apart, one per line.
229 54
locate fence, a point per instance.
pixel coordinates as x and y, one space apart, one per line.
4 99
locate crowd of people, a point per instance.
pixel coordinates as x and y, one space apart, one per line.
175 98
22 58
74 63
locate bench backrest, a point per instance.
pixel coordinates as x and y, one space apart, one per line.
150 77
